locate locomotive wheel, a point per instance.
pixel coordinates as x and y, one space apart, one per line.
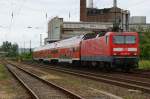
84 63
113 67
108 67
126 69
94 64
101 65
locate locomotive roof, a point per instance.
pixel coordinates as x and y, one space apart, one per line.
111 33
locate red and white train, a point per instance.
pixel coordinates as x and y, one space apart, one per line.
111 50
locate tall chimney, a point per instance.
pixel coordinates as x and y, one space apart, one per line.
115 3
90 3
83 10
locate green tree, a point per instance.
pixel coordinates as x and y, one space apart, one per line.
145 44
11 49
6 46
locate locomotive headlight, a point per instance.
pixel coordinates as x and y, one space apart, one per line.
115 54
135 53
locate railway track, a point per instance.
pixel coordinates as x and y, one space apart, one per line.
135 73
40 88
141 73
122 81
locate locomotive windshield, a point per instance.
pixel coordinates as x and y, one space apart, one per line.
124 39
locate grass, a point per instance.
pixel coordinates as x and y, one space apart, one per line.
4 80
3 74
144 64
9 87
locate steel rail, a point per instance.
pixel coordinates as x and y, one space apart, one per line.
146 84
30 91
107 76
67 92
136 73
127 83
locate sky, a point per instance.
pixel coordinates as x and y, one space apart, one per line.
24 20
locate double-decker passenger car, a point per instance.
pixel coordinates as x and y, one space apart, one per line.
111 50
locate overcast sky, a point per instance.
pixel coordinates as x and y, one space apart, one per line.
32 13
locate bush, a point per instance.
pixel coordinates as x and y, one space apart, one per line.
25 56
145 44
144 64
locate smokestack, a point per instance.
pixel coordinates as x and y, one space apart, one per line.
90 3
115 3
83 10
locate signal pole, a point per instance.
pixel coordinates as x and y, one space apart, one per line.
30 46
24 47
40 39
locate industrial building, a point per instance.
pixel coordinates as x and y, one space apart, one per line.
93 20
137 20
58 29
114 14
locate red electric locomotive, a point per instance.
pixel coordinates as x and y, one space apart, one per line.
115 50
112 50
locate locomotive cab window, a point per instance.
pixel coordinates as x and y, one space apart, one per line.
124 39
118 39
130 39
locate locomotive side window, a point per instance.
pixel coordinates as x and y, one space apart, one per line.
107 39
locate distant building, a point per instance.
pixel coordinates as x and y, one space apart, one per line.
113 15
138 20
57 29
93 20
54 29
